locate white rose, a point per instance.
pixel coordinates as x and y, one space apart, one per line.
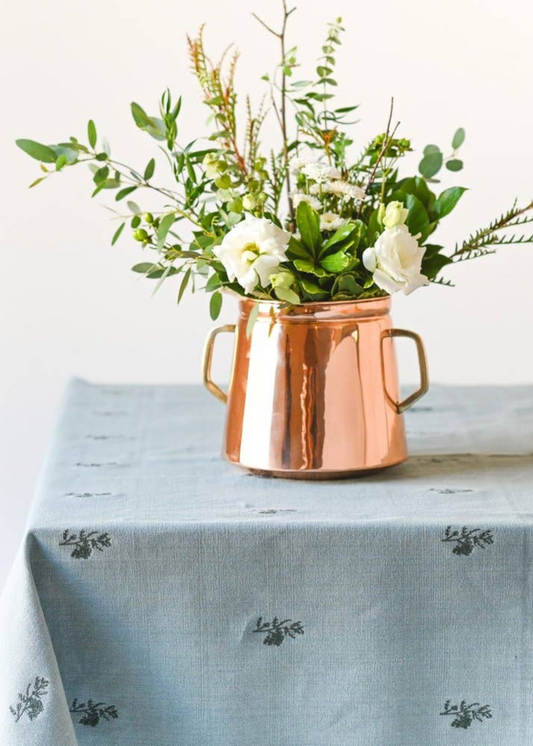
330 221
395 214
396 261
252 250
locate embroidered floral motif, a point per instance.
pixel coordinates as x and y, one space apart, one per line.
85 543
273 511
464 715
92 712
276 631
467 540
449 490
30 702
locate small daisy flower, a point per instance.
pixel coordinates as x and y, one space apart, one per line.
330 221
313 202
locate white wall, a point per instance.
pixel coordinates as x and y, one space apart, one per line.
70 305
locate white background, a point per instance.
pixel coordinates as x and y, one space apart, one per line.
69 303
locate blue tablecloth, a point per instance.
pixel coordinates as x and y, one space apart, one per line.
165 598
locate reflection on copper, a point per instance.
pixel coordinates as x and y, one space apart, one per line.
314 390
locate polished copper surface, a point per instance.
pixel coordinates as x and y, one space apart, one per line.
314 390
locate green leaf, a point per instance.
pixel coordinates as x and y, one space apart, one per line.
37 181
308 223
431 149
433 261
336 262
164 227
312 291
341 234
184 283
454 164
458 138
61 160
38 151
140 117
101 175
149 170
417 220
347 284
215 304
213 283
144 267
287 296
117 233
124 192
296 249
304 265
154 126
430 165
417 186
447 201
91 133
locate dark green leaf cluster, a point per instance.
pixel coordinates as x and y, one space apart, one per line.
84 543
277 630
30 701
464 714
92 712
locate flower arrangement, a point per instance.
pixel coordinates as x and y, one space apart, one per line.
304 221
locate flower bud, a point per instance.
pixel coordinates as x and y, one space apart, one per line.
395 214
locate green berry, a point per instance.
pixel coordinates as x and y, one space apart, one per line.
148 218
140 234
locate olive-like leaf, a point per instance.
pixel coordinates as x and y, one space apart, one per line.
149 170
215 304
91 133
36 150
117 233
458 138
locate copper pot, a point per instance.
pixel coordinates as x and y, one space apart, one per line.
314 390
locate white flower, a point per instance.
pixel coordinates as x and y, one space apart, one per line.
330 221
320 172
396 260
343 189
313 202
395 214
252 251
296 163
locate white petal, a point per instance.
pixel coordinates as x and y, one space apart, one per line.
369 259
385 282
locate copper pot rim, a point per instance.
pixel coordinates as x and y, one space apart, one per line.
318 309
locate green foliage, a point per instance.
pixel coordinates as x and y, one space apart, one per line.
338 205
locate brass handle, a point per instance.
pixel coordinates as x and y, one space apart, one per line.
404 405
208 357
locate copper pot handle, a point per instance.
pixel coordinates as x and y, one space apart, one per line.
208 357
408 402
